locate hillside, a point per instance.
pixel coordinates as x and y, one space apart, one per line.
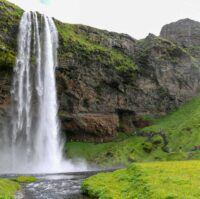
170 137
182 126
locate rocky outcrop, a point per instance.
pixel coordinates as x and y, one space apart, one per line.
185 32
90 127
107 82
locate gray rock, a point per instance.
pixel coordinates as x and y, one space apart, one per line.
185 32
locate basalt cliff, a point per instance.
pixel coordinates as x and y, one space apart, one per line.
109 82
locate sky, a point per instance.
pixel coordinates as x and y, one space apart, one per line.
137 18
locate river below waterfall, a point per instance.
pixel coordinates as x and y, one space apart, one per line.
54 186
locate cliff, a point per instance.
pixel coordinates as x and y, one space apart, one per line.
109 82
9 21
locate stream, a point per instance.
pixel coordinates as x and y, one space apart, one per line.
54 186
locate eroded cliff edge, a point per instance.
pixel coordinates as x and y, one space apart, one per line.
109 82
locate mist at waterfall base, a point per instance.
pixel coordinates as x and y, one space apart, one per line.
31 142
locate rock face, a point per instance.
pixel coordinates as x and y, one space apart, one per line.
9 21
90 127
108 82
165 77
185 32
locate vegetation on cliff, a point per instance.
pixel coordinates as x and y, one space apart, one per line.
168 51
78 46
160 180
10 16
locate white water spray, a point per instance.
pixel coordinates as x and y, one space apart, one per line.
34 144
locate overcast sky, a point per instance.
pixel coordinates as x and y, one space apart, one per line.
134 17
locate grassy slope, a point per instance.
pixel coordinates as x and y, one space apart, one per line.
181 126
182 129
122 151
8 188
166 180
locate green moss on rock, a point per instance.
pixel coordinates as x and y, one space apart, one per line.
76 46
165 49
147 147
7 60
157 140
9 22
25 179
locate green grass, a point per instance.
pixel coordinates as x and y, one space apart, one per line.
8 188
181 126
161 180
124 150
25 179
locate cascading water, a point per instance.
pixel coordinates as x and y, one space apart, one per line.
34 144
35 124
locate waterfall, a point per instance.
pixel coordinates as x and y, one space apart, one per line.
31 142
35 126
33 145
